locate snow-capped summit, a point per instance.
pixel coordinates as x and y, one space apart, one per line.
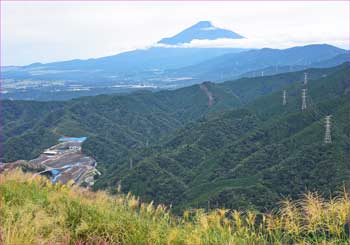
203 30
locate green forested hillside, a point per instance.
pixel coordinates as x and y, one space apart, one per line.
121 122
176 147
124 121
250 156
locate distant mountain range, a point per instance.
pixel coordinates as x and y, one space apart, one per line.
159 68
237 64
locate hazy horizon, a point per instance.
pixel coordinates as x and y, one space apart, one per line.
52 31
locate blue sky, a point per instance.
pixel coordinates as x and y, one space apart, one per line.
53 31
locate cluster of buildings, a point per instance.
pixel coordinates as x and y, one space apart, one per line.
64 163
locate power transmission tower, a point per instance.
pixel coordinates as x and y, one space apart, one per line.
303 97
327 135
262 73
305 78
284 97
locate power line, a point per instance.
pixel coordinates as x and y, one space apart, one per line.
303 97
327 135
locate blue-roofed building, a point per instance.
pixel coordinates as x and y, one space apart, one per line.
54 171
72 139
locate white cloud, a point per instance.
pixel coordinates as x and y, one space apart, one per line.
278 43
49 31
209 28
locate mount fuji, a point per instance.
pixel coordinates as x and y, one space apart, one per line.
203 30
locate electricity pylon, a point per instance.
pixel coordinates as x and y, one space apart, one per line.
327 135
305 78
303 98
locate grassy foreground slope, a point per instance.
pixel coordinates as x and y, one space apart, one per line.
33 211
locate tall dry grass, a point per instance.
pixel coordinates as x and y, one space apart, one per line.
33 211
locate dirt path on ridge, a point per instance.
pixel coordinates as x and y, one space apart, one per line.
208 93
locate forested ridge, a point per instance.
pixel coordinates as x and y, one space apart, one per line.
244 150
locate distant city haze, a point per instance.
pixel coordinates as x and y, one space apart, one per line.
54 31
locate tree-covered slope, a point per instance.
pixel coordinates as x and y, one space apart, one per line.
120 122
232 144
127 121
250 156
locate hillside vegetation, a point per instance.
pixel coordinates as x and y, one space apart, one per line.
242 149
248 157
33 211
127 121
121 121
